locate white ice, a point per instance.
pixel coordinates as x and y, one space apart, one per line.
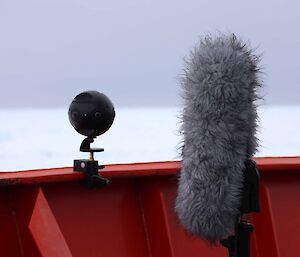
33 139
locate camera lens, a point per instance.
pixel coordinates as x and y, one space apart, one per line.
98 114
75 115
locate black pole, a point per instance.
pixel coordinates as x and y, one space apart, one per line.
238 245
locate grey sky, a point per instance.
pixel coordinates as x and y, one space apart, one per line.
132 50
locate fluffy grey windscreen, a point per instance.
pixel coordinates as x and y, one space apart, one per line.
219 122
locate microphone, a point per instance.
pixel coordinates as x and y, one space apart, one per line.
219 123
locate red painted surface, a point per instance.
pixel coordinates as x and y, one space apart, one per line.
43 221
48 213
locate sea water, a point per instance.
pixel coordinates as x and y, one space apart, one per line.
44 138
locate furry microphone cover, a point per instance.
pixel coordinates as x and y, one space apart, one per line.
219 122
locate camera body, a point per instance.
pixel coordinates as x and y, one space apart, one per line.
91 113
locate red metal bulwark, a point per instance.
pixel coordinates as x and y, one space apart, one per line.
48 213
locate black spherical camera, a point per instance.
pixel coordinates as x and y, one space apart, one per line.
91 114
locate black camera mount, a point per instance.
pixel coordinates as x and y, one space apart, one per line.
90 166
238 245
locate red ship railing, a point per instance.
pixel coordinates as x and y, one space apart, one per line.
48 213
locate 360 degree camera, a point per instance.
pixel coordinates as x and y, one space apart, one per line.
91 113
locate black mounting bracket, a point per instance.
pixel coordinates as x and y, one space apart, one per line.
90 167
92 177
86 146
238 245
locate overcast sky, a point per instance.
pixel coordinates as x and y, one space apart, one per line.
132 50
